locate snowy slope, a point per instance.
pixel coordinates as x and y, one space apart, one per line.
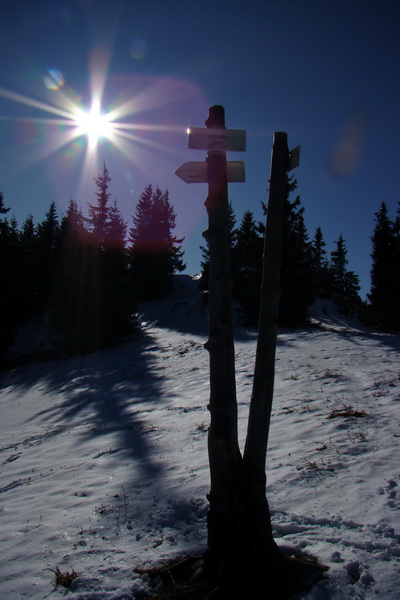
104 462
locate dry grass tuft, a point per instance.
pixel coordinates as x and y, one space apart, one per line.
65 578
349 411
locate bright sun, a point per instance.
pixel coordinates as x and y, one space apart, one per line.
74 120
93 123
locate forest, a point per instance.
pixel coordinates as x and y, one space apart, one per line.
82 277
308 272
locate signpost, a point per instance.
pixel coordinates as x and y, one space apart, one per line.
224 514
239 527
196 172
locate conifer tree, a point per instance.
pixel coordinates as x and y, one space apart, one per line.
154 252
7 275
396 231
28 233
385 272
17 299
110 305
28 276
119 299
99 213
247 267
397 226
345 283
93 309
320 265
72 307
47 248
296 267
116 229
338 266
396 277
3 209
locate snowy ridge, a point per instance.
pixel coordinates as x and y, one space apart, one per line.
325 314
104 467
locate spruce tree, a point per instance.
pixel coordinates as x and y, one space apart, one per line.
111 305
297 284
396 278
99 213
345 283
154 252
3 209
73 301
338 266
385 272
116 229
28 272
18 299
7 278
247 267
119 298
320 265
93 308
396 275
47 252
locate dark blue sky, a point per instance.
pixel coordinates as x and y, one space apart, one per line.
326 72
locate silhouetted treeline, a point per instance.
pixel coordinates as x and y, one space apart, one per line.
307 271
79 277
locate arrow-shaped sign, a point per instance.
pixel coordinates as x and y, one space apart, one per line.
201 138
294 158
196 172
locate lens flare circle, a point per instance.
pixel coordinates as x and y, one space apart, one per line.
139 49
54 79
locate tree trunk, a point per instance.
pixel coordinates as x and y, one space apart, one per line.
255 503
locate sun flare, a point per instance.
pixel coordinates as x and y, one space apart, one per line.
93 123
79 129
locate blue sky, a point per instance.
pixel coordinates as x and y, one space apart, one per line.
326 72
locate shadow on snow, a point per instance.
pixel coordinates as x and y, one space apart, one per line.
104 390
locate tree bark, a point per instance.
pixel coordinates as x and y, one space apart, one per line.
254 456
264 371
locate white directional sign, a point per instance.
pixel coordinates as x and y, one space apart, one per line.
196 172
294 158
201 138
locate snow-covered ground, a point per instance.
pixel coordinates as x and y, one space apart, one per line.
104 461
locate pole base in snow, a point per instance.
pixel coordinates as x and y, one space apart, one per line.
187 579
279 579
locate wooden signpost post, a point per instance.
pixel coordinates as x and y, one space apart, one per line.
239 527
